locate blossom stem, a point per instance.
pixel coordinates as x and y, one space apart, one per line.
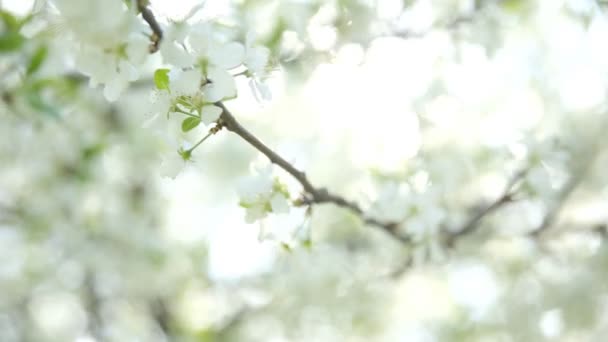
186 113
505 198
211 132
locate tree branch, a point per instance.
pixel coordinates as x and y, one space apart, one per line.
157 32
312 194
566 191
472 224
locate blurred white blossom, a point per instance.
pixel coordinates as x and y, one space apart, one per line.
261 194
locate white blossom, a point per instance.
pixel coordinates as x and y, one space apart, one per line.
256 61
260 195
103 51
256 57
210 113
171 165
222 85
419 214
172 47
186 82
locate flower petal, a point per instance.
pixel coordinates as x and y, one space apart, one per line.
227 56
210 113
279 204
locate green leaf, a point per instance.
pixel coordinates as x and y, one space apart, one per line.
190 123
161 79
37 60
36 102
307 244
10 21
92 151
514 6
286 247
11 41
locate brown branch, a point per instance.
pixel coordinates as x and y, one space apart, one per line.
93 304
162 316
312 194
472 224
157 32
565 192
553 214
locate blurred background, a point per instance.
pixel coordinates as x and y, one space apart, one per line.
369 97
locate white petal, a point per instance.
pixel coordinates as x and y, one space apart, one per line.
200 39
250 39
227 56
257 59
176 55
222 86
161 100
303 234
114 88
279 204
255 213
260 90
255 186
186 82
210 113
172 165
177 31
137 49
127 71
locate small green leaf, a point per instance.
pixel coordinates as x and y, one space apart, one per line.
190 123
92 151
36 102
245 205
10 21
307 244
161 79
37 60
286 247
514 6
11 41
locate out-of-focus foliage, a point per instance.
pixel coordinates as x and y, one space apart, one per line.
421 110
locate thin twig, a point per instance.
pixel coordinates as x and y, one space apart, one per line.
472 224
312 194
162 316
94 304
157 32
575 179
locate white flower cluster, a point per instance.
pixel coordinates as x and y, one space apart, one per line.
204 60
548 164
262 194
203 63
109 43
419 213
